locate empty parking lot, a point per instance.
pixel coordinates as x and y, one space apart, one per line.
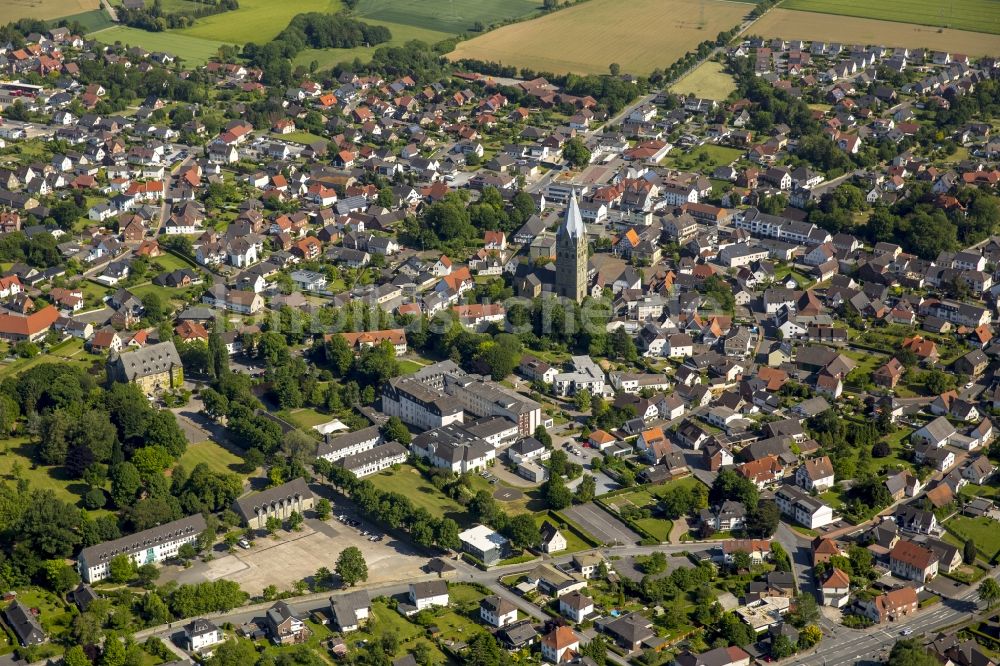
600 524
297 555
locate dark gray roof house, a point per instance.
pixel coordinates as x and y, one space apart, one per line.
25 624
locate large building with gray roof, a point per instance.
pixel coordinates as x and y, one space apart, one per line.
150 546
278 502
153 368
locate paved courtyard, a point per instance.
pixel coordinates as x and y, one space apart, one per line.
297 555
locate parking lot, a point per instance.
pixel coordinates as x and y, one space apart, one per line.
295 556
600 524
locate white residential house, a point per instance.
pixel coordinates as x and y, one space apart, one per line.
201 634
576 606
497 612
429 594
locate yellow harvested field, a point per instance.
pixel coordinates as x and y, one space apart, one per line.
708 80
791 24
11 10
639 35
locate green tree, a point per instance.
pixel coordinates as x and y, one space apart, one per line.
351 566
484 651
556 493
121 568
295 521
323 508
272 524
125 484
523 531
576 153
586 489
218 356
75 656
969 551
234 652
989 591
782 647
395 430
806 610
909 652
113 653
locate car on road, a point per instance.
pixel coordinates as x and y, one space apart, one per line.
970 385
244 544
906 632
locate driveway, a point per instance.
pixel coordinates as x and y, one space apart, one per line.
600 524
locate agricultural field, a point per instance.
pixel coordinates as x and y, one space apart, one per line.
11 10
792 24
641 35
255 21
452 16
193 50
91 21
708 80
974 15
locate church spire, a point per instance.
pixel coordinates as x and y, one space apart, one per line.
572 225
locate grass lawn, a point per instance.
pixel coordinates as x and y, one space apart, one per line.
300 136
69 351
408 367
218 458
388 621
708 80
644 496
255 21
706 156
574 544
981 530
18 450
990 489
170 262
192 49
307 417
409 482
832 497
659 528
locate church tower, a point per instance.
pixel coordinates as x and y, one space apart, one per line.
571 254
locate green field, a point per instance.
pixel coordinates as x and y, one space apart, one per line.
218 458
708 79
974 15
91 21
981 530
255 21
401 34
301 136
193 50
454 16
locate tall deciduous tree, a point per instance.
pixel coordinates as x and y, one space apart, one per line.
351 566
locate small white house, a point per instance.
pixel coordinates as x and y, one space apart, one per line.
201 634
